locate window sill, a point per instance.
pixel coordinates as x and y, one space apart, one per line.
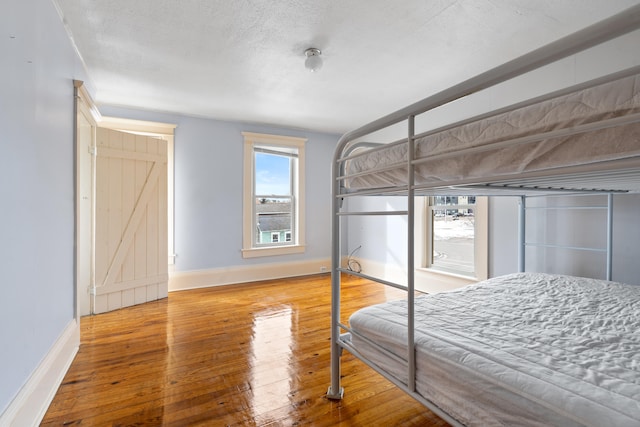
272 251
434 281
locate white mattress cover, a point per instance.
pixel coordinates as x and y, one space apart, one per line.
523 349
614 99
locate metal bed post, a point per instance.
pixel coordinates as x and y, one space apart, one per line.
411 356
335 390
522 243
609 236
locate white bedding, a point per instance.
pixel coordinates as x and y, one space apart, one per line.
522 349
613 99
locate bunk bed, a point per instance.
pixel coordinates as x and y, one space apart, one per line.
521 349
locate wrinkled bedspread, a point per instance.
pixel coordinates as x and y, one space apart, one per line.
522 349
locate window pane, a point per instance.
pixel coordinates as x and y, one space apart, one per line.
274 217
453 234
272 174
273 195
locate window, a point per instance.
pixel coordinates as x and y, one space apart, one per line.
273 203
452 234
455 245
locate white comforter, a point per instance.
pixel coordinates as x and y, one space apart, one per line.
523 349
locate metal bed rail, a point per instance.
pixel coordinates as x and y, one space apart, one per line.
522 140
558 93
593 35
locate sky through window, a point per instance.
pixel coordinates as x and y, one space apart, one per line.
273 174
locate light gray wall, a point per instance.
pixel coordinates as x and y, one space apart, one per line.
208 189
379 238
36 188
626 235
569 227
503 235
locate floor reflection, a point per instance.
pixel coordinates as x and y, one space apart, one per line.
270 361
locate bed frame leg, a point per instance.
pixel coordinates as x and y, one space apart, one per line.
335 396
335 391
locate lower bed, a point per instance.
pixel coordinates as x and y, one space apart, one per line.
523 349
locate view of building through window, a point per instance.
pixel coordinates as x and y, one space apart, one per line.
453 234
273 197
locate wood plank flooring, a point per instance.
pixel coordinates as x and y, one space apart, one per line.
243 355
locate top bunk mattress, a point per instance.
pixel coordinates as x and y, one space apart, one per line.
611 100
522 349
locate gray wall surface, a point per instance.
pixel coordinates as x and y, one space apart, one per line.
37 190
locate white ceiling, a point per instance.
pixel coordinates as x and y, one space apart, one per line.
243 59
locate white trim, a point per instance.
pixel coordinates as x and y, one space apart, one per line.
426 280
433 281
84 198
86 104
32 401
241 274
268 139
137 126
249 250
272 251
481 245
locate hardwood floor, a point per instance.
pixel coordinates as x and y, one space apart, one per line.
253 354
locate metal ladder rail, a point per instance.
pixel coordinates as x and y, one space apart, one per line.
335 391
338 392
411 344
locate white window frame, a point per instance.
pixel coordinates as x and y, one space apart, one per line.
249 249
433 280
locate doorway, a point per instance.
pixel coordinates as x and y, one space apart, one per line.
124 209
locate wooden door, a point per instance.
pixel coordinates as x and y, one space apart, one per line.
130 220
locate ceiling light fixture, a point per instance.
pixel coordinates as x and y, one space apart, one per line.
313 62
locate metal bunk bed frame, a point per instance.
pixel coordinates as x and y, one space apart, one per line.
608 29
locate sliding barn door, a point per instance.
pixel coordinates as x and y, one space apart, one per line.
130 220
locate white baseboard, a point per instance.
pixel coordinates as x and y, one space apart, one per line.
430 281
390 272
183 280
32 401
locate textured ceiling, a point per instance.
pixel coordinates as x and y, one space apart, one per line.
244 60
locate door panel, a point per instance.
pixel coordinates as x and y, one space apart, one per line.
131 220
